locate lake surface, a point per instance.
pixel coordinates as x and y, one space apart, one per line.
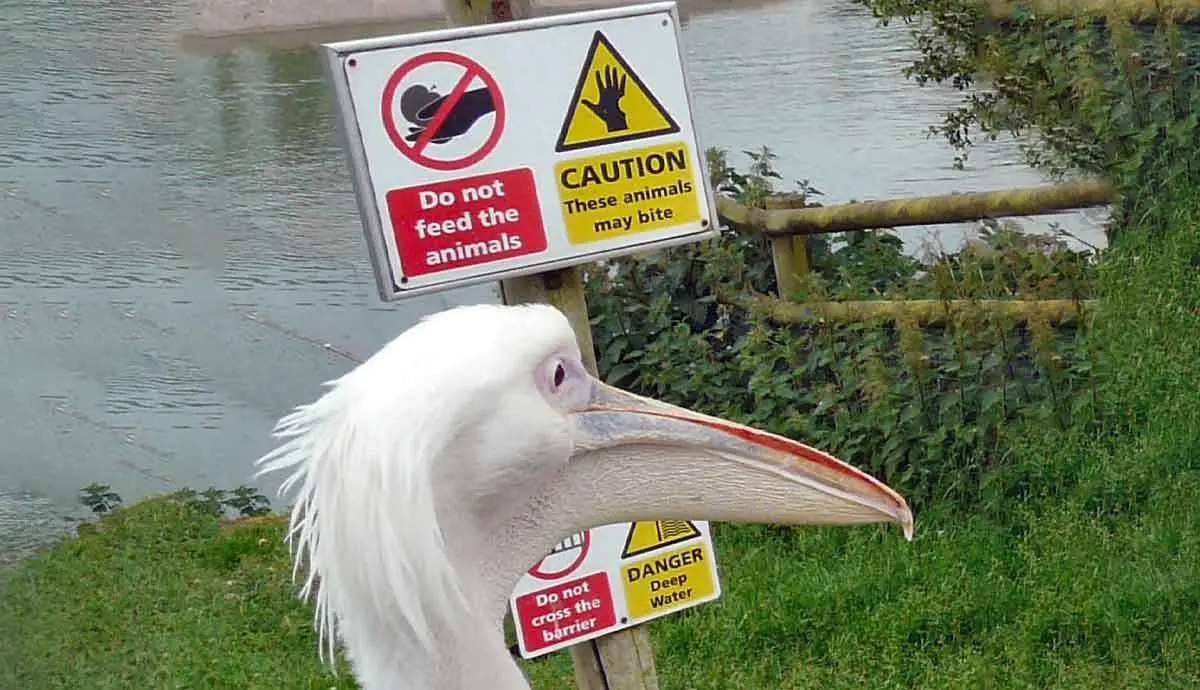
181 260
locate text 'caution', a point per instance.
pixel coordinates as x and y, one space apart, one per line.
671 580
629 192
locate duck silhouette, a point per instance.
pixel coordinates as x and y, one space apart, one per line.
419 105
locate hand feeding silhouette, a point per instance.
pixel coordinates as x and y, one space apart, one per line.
420 105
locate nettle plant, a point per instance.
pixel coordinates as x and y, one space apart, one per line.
925 407
244 501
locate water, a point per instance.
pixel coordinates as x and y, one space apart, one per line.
28 522
180 255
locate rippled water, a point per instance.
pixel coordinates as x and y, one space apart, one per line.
27 523
180 254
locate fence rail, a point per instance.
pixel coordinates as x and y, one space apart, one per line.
919 312
928 210
788 223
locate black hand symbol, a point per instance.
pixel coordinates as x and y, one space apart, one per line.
419 105
609 107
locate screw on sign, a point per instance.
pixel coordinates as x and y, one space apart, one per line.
565 558
445 99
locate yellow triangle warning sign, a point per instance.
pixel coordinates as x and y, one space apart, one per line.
611 103
650 535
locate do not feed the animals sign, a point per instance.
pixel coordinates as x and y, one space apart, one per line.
495 151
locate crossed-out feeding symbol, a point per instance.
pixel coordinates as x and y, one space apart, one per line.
420 105
435 119
608 104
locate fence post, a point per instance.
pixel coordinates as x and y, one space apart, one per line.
789 253
622 660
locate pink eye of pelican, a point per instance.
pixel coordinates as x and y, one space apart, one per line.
560 374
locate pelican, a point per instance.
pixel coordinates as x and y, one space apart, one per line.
429 478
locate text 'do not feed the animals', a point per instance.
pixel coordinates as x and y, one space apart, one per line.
584 120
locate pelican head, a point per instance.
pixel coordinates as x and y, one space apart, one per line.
429 478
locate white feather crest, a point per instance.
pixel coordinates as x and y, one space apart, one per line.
364 516
360 462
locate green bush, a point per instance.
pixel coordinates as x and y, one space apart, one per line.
925 407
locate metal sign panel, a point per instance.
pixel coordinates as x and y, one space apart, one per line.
494 151
613 577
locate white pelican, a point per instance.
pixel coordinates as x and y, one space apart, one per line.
429 478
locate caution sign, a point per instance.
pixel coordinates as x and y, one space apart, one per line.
625 193
480 154
611 103
648 536
611 577
671 580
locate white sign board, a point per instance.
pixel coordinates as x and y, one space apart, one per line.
493 151
610 578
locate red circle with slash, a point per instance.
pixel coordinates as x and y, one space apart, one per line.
542 573
415 151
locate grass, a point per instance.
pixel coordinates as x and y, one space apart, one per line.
1091 581
159 595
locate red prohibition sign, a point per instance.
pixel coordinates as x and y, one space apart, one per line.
541 574
416 150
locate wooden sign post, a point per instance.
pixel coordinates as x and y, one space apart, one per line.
623 660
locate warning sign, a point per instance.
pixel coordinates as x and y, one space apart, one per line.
611 577
583 118
669 581
566 612
611 103
629 192
466 222
647 536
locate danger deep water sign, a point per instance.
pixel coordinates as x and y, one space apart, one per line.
490 152
610 578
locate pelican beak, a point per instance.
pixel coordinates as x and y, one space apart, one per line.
677 463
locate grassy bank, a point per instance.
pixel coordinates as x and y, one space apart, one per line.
1084 576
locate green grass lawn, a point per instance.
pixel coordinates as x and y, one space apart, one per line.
164 596
1090 580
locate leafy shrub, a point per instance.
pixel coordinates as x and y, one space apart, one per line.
925 406
99 498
